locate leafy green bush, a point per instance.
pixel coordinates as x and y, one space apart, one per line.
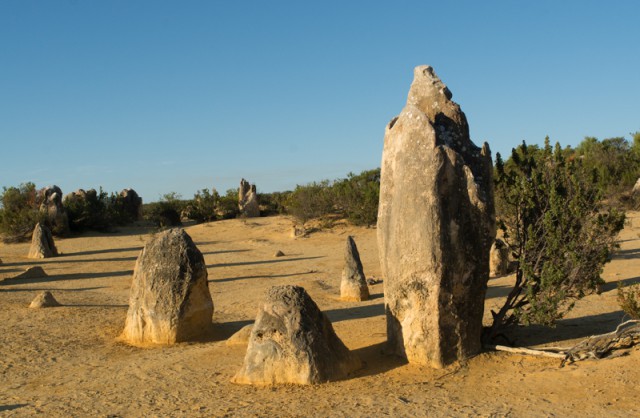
166 212
357 196
313 200
202 208
274 203
89 210
19 212
548 208
629 299
227 205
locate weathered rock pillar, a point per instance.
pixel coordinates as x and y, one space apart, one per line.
170 300
435 227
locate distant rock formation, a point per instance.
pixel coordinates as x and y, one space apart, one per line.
292 341
636 187
248 200
170 300
499 259
44 300
435 227
353 285
132 204
42 245
50 199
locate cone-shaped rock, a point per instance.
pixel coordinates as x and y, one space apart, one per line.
170 300
42 245
353 285
44 300
499 259
292 341
435 227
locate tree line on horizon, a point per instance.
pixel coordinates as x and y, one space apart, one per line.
549 201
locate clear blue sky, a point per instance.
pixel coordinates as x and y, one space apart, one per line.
182 95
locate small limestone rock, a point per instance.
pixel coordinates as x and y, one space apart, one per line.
353 286
499 259
636 187
279 254
170 300
35 272
44 300
42 245
292 341
241 337
248 200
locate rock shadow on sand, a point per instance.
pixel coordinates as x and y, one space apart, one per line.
250 263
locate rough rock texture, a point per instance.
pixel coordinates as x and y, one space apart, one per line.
170 300
248 200
499 259
35 272
241 337
44 300
50 199
435 227
42 245
292 341
132 203
354 284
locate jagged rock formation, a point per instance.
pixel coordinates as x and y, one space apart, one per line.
132 203
353 285
42 245
44 300
170 300
248 200
499 259
50 199
435 227
292 341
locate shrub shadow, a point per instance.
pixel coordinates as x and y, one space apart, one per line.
566 329
626 254
625 282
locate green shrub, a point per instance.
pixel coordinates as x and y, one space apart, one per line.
629 299
313 200
548 208
227 205
202 208
166 212
357 197
19 212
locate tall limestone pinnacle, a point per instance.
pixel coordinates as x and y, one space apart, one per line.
436 223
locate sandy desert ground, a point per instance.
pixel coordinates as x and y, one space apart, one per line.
66 361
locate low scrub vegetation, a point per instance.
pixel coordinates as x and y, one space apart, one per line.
549 209
629 299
